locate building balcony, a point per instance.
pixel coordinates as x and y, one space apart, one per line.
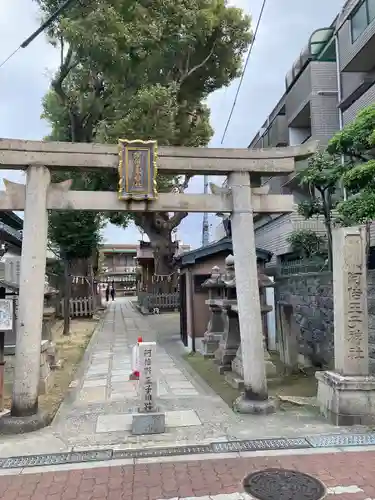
278 132
274 131
120 270
315 86
356 38
354 104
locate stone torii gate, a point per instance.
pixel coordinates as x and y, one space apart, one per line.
137 170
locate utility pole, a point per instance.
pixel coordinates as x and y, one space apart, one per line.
47 23
205 225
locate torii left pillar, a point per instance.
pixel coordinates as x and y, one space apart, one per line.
31 294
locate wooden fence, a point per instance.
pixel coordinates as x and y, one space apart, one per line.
80 307
161 301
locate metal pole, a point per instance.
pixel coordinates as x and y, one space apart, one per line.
339 98
205 225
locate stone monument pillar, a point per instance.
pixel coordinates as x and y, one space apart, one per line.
147 420
31 294
254 398
347 394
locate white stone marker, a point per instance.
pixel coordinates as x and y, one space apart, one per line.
255 397
347 395
147 419
147 382
31 295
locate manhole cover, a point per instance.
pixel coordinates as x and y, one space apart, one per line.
283 484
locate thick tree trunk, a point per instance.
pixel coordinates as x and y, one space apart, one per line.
327 204
164 250
159 227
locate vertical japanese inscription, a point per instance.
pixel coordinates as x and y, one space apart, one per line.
147 388
137 169
147 382
356 290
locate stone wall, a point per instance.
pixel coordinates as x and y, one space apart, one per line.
310 295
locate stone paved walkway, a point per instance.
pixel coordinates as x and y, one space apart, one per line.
346 476
97 410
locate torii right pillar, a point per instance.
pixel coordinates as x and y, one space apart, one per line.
254 398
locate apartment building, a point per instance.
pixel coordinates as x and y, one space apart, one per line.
331 80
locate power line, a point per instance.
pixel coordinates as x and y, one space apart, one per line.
244 69
10 56
37 32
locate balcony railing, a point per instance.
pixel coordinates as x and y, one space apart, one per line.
120 269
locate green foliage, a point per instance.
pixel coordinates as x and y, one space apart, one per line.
141 69
310 207
359 209
307 243
77 234
321 178
357 141
322 173
360 177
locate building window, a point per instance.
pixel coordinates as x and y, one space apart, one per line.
361 18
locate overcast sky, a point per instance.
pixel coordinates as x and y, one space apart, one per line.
284 31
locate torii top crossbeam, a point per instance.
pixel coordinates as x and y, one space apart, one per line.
19 154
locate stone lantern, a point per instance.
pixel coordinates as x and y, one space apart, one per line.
231 338
236 377
216 324
229 279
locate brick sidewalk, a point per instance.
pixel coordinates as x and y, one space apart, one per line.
348 476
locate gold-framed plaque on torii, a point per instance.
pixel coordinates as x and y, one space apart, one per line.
137 169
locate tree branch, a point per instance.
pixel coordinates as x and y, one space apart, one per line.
57 85
198 66
61 51
176 219
49 247
66 66
180 187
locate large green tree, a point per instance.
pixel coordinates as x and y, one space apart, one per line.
356 142
349 160
141 69
320 179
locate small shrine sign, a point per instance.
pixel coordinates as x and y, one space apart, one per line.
137 170
147 382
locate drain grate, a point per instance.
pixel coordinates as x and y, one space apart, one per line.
283 484
56 459
218 447
331 440
260 444
162 452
